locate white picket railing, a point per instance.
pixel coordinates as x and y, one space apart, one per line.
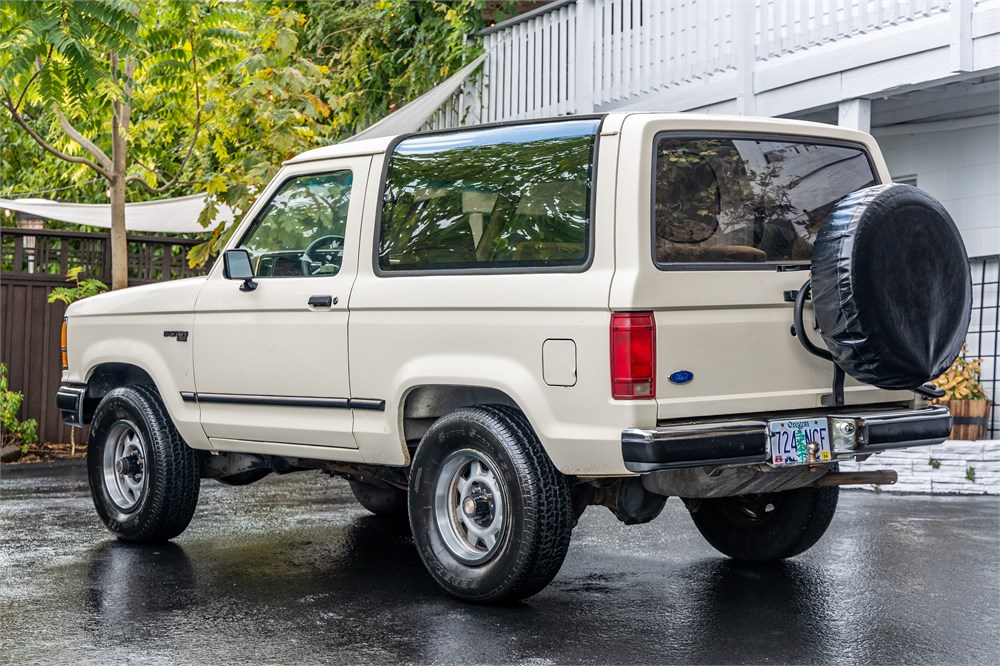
573 56
783 26
643 45
528 69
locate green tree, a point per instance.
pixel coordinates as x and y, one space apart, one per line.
318 72
269 106
384 54
76 76
219 93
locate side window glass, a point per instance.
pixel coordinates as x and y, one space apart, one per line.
719 200
506 197
301 231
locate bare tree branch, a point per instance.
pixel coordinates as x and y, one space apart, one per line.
86 143
9 104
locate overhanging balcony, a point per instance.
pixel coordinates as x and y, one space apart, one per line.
763 57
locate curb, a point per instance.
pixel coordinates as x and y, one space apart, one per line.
15 468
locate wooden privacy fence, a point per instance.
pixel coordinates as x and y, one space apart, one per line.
32 262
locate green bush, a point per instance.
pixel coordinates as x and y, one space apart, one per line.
83 288
23 433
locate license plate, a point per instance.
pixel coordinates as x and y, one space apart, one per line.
790 441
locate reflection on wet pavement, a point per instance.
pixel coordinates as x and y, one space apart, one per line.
292 570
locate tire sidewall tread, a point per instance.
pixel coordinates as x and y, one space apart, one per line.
173 479
538 503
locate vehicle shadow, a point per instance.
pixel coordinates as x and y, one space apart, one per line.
739 611
133 590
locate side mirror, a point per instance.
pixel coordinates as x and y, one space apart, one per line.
236 266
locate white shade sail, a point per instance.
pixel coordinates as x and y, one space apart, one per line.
179 215
411 117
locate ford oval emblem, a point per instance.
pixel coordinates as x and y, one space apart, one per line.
681 377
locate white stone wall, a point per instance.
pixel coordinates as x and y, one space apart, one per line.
917 475
961 167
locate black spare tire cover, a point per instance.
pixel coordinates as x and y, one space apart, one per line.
891 285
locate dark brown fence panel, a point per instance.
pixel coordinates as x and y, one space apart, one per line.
32 263
37 253
30 348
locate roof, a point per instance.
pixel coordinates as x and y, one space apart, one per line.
366 147
712 121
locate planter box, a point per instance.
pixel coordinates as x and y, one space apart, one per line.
970 418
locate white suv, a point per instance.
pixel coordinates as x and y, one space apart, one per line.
489 329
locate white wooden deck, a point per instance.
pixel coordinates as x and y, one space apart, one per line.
755 57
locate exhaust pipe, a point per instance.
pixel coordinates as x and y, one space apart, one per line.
882 477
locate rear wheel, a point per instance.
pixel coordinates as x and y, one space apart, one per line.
144 479
491 515
768 526
384 501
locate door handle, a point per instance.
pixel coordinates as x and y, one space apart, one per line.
322 301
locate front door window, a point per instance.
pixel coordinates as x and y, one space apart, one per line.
301 231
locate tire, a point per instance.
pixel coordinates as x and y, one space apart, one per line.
520 503
244 478
742 527
144 479
383 501
891 287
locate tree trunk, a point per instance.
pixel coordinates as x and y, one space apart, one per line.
120 116
119 241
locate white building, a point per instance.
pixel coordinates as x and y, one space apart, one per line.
923 76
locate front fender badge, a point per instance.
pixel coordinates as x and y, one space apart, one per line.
681 377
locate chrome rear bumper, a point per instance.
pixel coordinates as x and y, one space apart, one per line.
746 442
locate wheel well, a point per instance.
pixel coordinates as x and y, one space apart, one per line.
112 375
423 404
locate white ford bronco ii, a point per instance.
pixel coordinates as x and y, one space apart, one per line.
489 329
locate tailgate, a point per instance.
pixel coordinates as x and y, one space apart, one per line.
732 331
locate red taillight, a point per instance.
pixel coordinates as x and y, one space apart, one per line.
633 356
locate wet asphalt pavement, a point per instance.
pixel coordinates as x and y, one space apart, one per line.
292 570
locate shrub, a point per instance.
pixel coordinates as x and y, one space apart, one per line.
83 288
15 431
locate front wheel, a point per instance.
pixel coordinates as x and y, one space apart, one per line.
144 479
768 526
491 515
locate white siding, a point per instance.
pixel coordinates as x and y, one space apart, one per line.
961 167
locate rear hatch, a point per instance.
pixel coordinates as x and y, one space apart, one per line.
732 222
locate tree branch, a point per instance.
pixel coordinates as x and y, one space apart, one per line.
173 181
39 66
9 104
86 143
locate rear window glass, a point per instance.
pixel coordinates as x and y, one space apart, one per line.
748 201
503 197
